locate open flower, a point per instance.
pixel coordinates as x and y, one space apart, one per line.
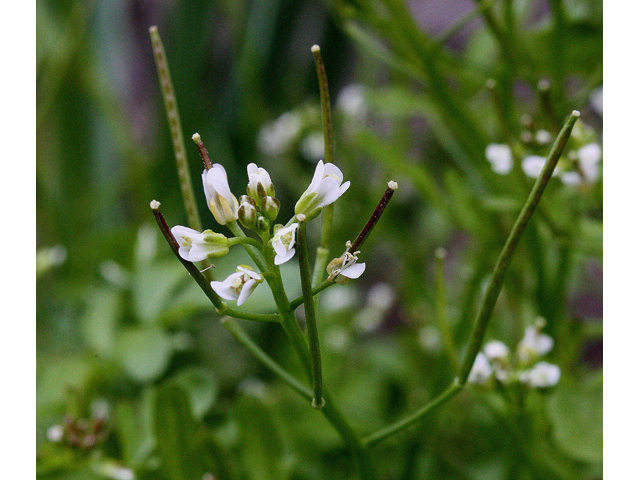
325 188
481 370
196 246
344 267
499 155
260 184
238 286
283 242
533 345
541 375
222 203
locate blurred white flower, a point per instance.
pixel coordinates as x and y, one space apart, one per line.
543 137
481 370
277 137
238 286
532 165
496 350
283 242
351 101
533 345
571 178
312 146
589 158
596 100
541 375
55 433
429 339
500 157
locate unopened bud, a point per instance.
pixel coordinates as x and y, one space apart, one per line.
271 207
247 213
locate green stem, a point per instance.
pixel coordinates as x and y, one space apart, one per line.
508 251
204 284
441 310
244 339
386 432
173 117
254 252
245 241
310 315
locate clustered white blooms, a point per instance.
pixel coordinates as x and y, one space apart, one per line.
345 266
580 165
257 211
496 361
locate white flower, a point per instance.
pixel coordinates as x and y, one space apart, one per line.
325 188
196 246
351 100
312 146
276 138
589 157
339 269
533 345
481 370
542 374
499 155
55 433
532 165
596 100
496 350
260 184
222 203
571 178
238 286
283 242
543 137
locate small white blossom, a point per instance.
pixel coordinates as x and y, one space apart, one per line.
283 242
571 178
499 155
238 286
196 246
532 165
596 100
325 188
541 375
533 345
312 146
589 158
496 350
339 269
260 184
55 433
481 370
543 137
276 138
222 203
351 100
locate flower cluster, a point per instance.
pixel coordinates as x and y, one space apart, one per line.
579 165
257 211
495 361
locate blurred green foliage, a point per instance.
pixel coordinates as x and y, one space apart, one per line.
131 356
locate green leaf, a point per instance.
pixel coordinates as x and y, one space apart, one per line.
201 386
144 352
100 324
154 286
176 434
575 411
261 443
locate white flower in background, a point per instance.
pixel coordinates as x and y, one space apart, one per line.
351 101
589 158
312 146
339 269
543 137
325 188
499 155
276 138
222 203
196 246
260 184
430 339
496 350
283 242
596 100
571 178
532 165
55 433
533 345
541 375
238 286
481 370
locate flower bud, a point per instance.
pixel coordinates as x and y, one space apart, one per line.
270 206
195 246
325 188
247 213
260 184
222 203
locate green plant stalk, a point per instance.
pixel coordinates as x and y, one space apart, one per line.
322 252
173 117
245 340
495 285
441 310
310 315
221 307
491 294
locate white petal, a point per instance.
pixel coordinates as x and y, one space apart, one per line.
224 290
251 273
331 170
317 177
284 257
247 288
354 271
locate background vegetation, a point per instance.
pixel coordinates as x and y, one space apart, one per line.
132 357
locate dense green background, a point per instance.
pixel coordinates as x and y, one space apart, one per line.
119 323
